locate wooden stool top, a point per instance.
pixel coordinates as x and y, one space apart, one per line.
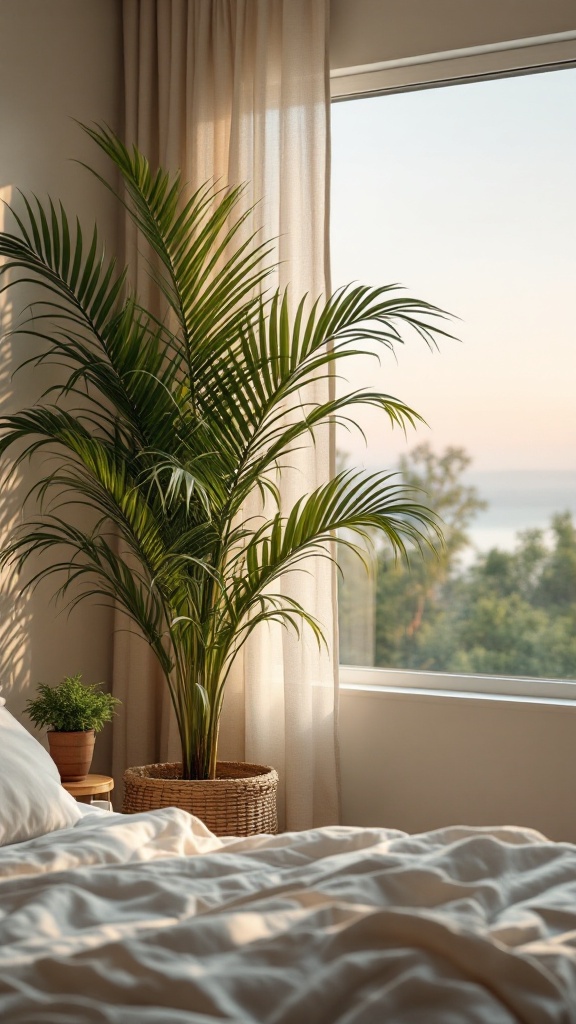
90 786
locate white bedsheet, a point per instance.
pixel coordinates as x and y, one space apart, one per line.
149 919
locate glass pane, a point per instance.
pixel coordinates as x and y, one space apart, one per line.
465 195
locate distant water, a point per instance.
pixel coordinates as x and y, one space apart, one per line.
518 500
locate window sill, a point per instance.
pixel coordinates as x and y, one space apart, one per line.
551 692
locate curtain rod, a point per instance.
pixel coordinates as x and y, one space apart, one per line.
468 51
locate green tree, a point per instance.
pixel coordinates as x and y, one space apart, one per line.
508 613
511 613
557 582
407 596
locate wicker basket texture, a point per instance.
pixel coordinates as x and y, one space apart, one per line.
240 801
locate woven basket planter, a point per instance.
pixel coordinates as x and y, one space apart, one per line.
240 801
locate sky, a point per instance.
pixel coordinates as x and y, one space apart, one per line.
466 195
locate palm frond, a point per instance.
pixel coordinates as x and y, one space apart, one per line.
190 236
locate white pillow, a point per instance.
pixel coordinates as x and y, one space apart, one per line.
32 800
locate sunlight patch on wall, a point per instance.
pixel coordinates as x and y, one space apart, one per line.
14 614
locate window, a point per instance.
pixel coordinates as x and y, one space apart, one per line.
464 194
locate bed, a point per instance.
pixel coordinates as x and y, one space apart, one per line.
150 919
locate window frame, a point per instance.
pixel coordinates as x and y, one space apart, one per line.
452 67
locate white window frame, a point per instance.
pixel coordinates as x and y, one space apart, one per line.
477 63
517 56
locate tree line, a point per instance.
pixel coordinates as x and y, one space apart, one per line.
502 613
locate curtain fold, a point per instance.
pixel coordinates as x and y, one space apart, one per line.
237 91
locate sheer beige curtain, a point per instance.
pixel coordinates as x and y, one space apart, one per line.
236 90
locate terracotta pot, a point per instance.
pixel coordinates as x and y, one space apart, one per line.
240 801
72 752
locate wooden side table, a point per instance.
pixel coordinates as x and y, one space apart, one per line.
99 786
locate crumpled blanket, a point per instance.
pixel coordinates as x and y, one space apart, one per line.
150 919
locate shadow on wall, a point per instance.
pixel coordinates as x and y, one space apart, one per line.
38 642
14 605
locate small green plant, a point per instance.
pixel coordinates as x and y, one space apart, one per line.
72 706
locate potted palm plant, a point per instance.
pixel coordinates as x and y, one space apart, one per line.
166 425
73 712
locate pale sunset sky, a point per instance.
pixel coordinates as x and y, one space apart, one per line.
467 196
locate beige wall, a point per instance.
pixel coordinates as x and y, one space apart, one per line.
59 60
417 762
